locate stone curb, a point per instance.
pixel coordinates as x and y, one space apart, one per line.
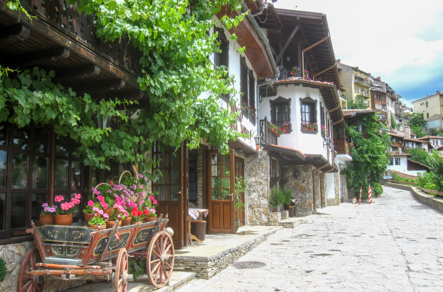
434 203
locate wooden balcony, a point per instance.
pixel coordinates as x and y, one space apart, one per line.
266 136
396 144
341 146
63 40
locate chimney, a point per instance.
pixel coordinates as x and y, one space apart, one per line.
338 61
378 78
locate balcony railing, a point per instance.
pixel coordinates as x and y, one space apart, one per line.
266 136
396 144
341 146
81 26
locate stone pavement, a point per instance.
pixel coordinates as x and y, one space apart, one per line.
395 244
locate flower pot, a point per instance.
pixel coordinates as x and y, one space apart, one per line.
108 211
126 221
150 219
110 224
291 211
97 226
46 219
89 216
65 219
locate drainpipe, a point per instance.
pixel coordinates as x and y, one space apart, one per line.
313 185
263 38
261 9
321 180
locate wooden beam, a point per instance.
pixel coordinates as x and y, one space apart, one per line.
287 43
78 73
14 33
40 57
106 86
327 69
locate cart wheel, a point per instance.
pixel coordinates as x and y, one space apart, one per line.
121 271
160 259
26 282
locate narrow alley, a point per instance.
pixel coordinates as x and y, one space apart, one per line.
392 245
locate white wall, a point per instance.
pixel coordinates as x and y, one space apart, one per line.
330 186
305 142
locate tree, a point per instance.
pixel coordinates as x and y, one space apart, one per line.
175 41
358 103
393 122
419 155
369 155
417 123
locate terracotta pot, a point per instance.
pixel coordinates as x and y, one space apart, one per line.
127 221
63 219
150 219
108 211
110 224
89 216
97 226
46 219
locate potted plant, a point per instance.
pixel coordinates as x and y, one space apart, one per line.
295 71
92 209
148 206
286 126
97 223
241 185
118 214
276 198
137 215
63 214
47 214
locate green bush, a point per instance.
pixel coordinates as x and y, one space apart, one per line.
428 180
3 271
287 194
277 197
399 178
377 189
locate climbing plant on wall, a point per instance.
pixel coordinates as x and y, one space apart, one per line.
175 41
369 155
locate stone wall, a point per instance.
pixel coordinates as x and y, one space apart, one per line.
257 173
317 191
299 179
336 200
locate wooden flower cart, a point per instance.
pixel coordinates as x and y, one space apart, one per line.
80 253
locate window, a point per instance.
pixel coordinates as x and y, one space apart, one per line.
397 161
391 161
247 88
167 185
356 89
222 58
427 115
427 105
308 115
280 111
27 176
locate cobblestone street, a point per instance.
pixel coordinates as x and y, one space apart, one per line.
395 244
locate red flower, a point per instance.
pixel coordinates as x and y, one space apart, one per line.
140 213
134 213
134 209
146 212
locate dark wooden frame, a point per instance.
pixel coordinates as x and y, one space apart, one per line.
313 114
279 101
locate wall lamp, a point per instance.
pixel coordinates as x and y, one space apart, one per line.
257 142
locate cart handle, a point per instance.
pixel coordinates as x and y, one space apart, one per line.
111 235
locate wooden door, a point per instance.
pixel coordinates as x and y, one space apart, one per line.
240 173
170 189
220 192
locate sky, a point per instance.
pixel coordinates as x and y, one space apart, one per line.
399 40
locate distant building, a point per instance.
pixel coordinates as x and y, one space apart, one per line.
430 105
355 82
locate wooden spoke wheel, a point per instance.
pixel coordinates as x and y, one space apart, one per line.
26 282
160 259
121 271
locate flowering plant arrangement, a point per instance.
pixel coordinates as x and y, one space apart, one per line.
310 126
92 207
119 212
324 131
97 221
48 209
149 205
67 207
137 215
295 70
306 74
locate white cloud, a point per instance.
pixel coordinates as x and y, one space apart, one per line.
383 37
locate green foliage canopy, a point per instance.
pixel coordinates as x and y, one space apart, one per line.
369 155
175 41
417 122
358 103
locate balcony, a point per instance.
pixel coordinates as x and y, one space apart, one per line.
360 80
341 146
396 144
63 40
266 136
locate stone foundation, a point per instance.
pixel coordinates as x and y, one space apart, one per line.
207 267
257 172
299 180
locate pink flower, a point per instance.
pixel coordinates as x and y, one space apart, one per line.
90 203
59 198
95 209
45 205
78 196
105 216
153 211
101 212
100 198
